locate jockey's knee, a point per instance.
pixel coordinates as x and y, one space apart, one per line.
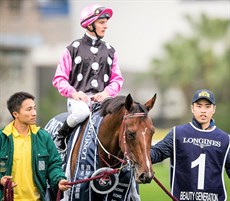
79 114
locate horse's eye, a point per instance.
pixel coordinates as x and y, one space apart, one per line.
131 135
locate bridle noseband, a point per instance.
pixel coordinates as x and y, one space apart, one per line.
125 117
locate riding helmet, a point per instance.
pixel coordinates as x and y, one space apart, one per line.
93 12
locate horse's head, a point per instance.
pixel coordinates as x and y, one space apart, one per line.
136 137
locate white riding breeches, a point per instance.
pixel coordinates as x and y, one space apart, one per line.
79 111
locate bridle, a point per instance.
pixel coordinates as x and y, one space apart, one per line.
138 114
125 117
126 159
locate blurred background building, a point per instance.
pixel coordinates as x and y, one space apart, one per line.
33 34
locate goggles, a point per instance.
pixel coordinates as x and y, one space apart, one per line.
99 10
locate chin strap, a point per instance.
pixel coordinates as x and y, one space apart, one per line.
94 31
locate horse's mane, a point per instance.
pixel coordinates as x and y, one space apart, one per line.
114 105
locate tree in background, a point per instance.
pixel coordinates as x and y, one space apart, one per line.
51 104
200 60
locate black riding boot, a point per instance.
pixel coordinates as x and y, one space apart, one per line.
63 135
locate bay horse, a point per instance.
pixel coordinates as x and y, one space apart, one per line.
125 132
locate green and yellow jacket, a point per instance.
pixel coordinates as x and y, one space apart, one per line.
46 161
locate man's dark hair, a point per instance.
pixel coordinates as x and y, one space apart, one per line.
15 101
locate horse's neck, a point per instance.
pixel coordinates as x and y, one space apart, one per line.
109 137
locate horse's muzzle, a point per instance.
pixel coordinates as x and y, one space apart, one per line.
145 178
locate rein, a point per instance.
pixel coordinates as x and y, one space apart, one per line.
109 154
104 174
8 193
154 178
164 189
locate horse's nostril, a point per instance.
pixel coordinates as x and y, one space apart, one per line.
145 178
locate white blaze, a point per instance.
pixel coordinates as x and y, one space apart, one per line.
146 154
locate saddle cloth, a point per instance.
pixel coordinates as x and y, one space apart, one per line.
88 162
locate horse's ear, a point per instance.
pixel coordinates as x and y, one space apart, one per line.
128 102
149 104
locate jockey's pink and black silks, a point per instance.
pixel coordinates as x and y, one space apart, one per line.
88 68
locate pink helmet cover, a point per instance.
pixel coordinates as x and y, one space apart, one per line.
92 12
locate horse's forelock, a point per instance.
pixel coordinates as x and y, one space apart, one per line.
112 105
143 109
139 108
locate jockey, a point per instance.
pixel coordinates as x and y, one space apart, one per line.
87 70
